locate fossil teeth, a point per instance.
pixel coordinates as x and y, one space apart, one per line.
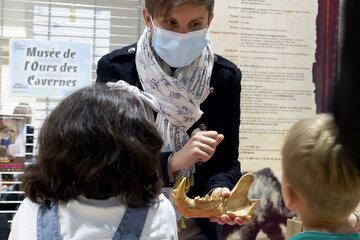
236 205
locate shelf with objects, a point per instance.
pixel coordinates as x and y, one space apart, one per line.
17 141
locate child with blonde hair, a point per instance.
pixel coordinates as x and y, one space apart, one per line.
321 182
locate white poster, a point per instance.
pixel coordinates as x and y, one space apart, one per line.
273 42
48 68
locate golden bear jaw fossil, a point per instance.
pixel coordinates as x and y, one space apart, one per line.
236 205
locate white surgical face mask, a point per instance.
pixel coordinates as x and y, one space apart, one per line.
178 49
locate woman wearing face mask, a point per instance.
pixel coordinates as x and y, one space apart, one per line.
198 94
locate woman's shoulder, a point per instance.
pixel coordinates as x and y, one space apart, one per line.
224 62
225 73
122 53
224 65
118 64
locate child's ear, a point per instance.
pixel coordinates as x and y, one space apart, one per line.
290 197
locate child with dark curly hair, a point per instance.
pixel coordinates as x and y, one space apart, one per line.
97 173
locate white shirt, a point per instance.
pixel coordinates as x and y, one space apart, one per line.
95 219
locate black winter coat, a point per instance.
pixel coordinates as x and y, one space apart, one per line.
221 113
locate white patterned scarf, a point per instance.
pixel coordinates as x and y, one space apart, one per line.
179 98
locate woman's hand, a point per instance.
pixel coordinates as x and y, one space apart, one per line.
226 219
200 148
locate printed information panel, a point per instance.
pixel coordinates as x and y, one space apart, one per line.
274 44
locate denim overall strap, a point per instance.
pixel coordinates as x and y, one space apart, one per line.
131 224
48 226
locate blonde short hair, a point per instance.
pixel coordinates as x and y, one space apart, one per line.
316 165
